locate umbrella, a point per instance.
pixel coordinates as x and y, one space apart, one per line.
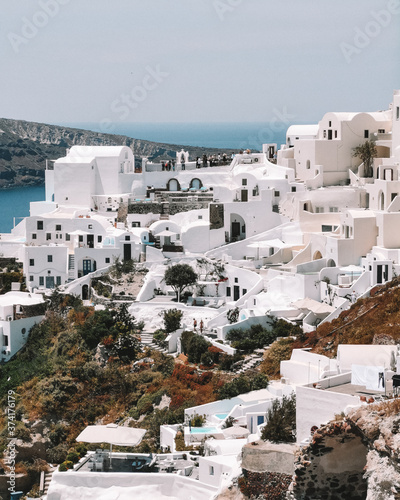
79 232
236 432
314 306
112 434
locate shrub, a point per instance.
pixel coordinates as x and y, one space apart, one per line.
172 320
73 457
281 421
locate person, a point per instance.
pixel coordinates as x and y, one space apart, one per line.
183 161
353 297
205 160
194 324
201 326
198 162
173 165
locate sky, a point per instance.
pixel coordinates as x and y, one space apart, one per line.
71 61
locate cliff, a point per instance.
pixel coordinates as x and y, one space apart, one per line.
25 146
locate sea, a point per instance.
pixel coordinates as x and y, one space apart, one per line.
14 203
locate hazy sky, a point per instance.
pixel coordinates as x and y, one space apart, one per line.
196 60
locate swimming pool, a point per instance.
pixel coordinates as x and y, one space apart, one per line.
204 430
221 416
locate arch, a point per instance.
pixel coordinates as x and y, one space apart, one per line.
238 227
196 183
381 201
331 263
173 185
85 292
317 255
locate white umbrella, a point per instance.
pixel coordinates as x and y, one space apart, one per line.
235 432
79 232
112 434
314 306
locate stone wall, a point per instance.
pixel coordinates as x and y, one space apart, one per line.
332 466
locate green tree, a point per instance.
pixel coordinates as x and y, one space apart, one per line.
179 277
172 320
366 152
281 421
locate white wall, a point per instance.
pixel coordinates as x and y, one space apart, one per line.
316 407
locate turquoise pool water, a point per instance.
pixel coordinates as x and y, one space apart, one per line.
204 430
221 416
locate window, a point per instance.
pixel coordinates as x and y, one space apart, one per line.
107 260
39 225
30 278
31 262
397 112
244 291
58 280
49 258
324 134
211 470
127 238
243 228
90 226
293 189
308 164
48 236
228 291
277 193
99 238
200 217
335 134
34 236
319 210
80 237
58 227
366 134
333 209
67 237
244 182
381 130
236 280
41 280
23 331
326 228
330 124
135 224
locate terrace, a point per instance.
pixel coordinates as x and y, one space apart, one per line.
116 462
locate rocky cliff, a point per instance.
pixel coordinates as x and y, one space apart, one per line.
25 146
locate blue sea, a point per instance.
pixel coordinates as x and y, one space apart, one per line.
14 203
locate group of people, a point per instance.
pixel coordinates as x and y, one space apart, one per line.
195 325
168 165
213 160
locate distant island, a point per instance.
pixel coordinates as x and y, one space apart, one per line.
25 146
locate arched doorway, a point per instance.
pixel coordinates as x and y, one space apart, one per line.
381 201
331 263
85 292
317 255
196 183
173 185
238 228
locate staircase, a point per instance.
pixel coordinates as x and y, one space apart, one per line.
165 211
71 266
147 341
47 480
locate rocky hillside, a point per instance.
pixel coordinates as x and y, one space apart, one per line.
25 146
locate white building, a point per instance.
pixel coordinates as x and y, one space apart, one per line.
19 311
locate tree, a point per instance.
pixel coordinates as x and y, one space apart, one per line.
179 277
172 320
281 421
366 152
